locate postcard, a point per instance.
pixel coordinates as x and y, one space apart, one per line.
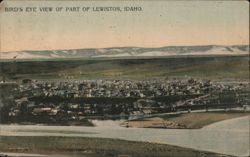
134 78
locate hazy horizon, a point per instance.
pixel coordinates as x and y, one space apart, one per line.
128 47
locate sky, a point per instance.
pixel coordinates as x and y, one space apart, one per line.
160 23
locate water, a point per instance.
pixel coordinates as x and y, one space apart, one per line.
227 137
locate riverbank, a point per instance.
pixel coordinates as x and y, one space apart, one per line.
93 147
184 120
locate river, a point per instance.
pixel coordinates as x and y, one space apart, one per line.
229 137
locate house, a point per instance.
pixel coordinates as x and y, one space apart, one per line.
147 112
39 111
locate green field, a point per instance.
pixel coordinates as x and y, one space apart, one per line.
185 120
199 120
209 67
94 147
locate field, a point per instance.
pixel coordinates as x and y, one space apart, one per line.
94 147
199 120
186 120
209 67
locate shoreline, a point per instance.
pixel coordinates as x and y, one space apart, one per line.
193 120
172 120
88 146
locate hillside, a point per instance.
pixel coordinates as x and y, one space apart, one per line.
117 52
212 67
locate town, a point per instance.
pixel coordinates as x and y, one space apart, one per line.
76 101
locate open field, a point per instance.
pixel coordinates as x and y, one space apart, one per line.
93 147
186 120
209 67
199 120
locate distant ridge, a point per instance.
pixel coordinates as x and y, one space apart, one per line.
129 52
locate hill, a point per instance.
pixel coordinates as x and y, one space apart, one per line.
212 67
118 52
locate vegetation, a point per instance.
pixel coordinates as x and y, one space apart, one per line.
185 120
199 120
94 147
212 67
